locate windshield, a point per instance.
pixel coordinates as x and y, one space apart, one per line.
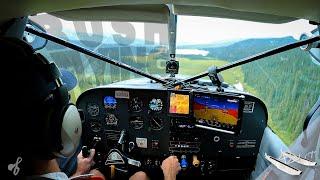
288 83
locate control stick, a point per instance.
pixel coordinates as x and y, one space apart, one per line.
86 149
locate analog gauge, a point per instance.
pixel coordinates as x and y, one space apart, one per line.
156 123
93 109
136 104
136 122
95 127
155 104
110 102
111 120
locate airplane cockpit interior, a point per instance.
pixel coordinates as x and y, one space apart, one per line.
232 89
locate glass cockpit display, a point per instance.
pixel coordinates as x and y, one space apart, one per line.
155 104
217 111
179 103
109 102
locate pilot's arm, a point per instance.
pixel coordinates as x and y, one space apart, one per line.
84 165
170 168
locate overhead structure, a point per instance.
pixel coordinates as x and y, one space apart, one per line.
270 11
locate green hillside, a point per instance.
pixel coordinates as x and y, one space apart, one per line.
195 66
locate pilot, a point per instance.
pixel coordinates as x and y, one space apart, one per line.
41 124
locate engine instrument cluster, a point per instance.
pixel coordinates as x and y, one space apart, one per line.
211 133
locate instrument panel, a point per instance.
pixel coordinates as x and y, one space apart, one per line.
221 131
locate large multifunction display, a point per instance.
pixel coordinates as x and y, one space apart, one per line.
217 112
209 132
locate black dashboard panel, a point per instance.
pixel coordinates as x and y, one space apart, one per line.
156 129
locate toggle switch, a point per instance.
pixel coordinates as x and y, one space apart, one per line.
131 146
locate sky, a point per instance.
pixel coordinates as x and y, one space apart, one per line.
204 30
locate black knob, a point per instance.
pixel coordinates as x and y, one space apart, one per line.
85 151
96 140
131 146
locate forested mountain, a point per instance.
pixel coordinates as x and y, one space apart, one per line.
246 48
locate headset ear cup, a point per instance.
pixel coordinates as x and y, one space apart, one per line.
71 131
55 124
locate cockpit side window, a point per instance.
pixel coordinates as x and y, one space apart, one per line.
141 45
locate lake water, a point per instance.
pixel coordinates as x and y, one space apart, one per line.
192 52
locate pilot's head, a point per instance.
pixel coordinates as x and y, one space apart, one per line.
39 123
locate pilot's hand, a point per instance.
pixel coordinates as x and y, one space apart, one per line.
84 164
170 167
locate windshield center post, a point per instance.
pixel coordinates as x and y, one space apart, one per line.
172 65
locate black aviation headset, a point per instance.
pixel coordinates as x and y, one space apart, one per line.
55 121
